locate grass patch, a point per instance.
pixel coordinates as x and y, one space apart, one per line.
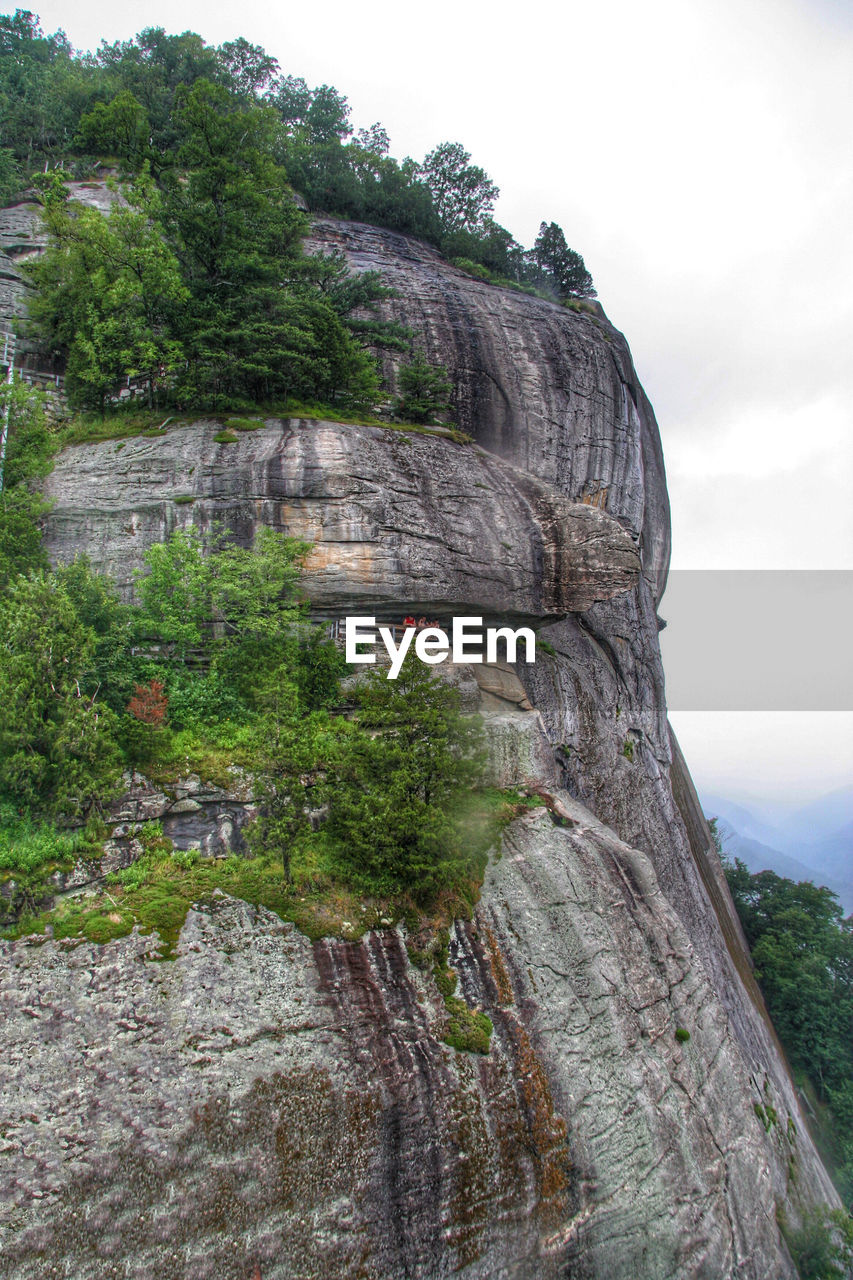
209 751
767 1115
478 272
124 424
31 852
468 1030
184 499
156 892
243 424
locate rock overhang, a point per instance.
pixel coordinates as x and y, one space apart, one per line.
397 520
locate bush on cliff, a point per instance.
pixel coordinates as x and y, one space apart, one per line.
57 740
395 781
29 450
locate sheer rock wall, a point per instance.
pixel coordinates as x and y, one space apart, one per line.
260 1101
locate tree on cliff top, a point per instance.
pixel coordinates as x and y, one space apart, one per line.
559 266
463 193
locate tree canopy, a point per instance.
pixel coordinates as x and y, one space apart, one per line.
802 948
211 143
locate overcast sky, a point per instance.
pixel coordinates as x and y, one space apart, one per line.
698 154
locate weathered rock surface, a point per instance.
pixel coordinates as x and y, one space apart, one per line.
262 1101
552 390
398 520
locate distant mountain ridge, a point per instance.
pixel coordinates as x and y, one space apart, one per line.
814 843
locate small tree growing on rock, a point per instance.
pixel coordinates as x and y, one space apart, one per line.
424 390
146 721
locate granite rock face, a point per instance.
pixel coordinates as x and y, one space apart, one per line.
262 1103
550 389
399 520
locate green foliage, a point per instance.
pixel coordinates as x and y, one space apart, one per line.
119 127
109 294
57 747
802 949
157 891
424 390
198 697
558 266
467 1031
40 86
822 1248
463 194
10 176
394 779
27 846
30 852
682 1035
28 456
20 537
243 424
225 137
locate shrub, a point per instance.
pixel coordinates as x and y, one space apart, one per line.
467 1031
682 1035
58 750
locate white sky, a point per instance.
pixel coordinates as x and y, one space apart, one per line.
699 156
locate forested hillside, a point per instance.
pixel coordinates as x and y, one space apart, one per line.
803 953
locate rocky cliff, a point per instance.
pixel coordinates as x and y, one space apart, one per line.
262 1102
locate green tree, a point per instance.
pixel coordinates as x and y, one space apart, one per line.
464 194
10 176
250 69
822 1248
256 325
119 127
393 781
57 743
238 605
29 449
424 390
802 948
111 672
558 266
36 114
108 289
174 593
153 67
286 773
